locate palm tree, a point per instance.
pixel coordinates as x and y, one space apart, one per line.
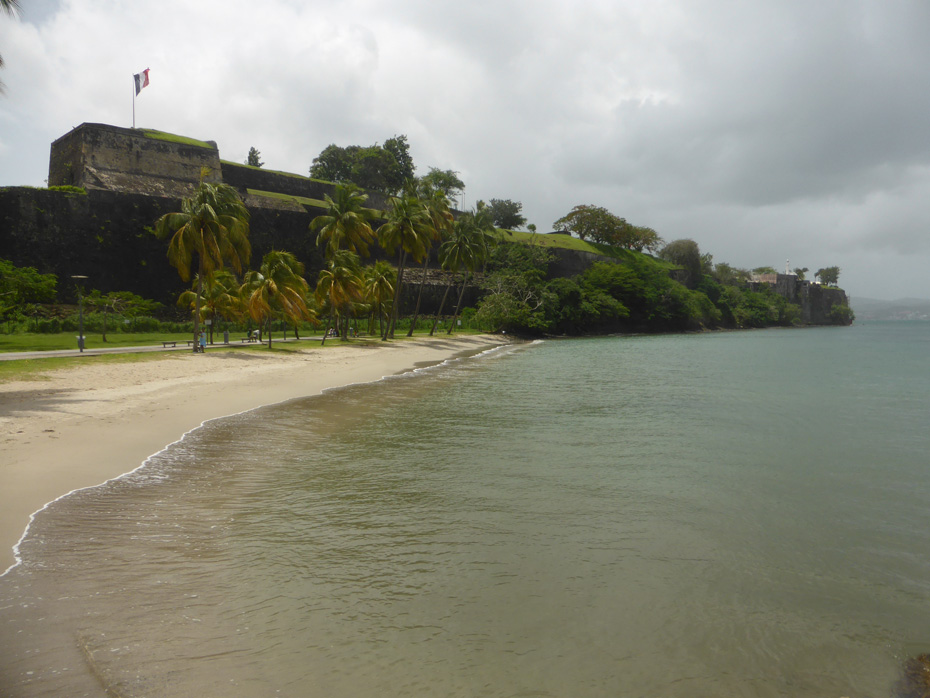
407 230
213 226
462 249
378 282
338 285
11 7
277 289
481 230
345 225
220 298
437 207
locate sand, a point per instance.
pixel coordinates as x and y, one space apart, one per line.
82 426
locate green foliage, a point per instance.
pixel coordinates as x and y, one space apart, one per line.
687 255
375 168
525 259
303 200
254 158
842 314
829 276
173 138
506 213
603 227
400 149
69 189
446 181
587 221
21 285
346 222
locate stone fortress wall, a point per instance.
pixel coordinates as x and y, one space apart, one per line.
133 176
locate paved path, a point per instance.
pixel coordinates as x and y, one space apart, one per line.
13 355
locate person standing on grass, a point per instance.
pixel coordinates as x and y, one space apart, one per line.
203 342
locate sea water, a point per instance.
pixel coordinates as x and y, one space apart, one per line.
725 514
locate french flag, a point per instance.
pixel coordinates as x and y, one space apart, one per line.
142 80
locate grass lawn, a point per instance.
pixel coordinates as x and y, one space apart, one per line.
39 369
68 340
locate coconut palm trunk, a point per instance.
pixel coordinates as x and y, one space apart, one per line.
198 301
395 308
416 310
442 304
458 306
328 325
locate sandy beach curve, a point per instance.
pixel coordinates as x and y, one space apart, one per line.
82 426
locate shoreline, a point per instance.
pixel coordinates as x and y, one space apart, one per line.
92 423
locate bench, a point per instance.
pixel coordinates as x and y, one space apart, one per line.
165 345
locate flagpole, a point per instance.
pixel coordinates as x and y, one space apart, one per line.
133 101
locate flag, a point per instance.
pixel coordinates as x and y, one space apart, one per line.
141 79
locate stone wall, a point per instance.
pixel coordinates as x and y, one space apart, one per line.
98 156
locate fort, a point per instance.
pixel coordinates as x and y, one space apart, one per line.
108 185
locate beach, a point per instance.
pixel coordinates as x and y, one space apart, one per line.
81 426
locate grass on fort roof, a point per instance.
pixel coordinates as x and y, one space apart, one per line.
306 201
565 242
174 138
277 172
316 203
569 242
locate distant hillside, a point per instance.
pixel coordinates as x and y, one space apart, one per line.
901 309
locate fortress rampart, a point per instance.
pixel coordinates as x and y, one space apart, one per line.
133 176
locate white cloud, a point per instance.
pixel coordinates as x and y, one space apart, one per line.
779 128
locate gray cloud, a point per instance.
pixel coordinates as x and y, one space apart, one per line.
763 130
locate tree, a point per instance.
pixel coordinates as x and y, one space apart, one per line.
645 238
506 214
587 221
408 230
441 219
446 181
345 225
20 285
23 286
254 158
11 7
830 276
728 274
400 149
213 227
463 248
480 227
764 270
800 272
220 297
338 286
333 164
116 302
378 282
376 168
277 289
686 254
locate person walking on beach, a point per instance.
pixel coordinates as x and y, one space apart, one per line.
203 342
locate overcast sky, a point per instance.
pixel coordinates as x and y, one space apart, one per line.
766 131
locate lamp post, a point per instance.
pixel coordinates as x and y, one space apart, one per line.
79 280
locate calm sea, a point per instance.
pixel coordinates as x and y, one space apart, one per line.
729 514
